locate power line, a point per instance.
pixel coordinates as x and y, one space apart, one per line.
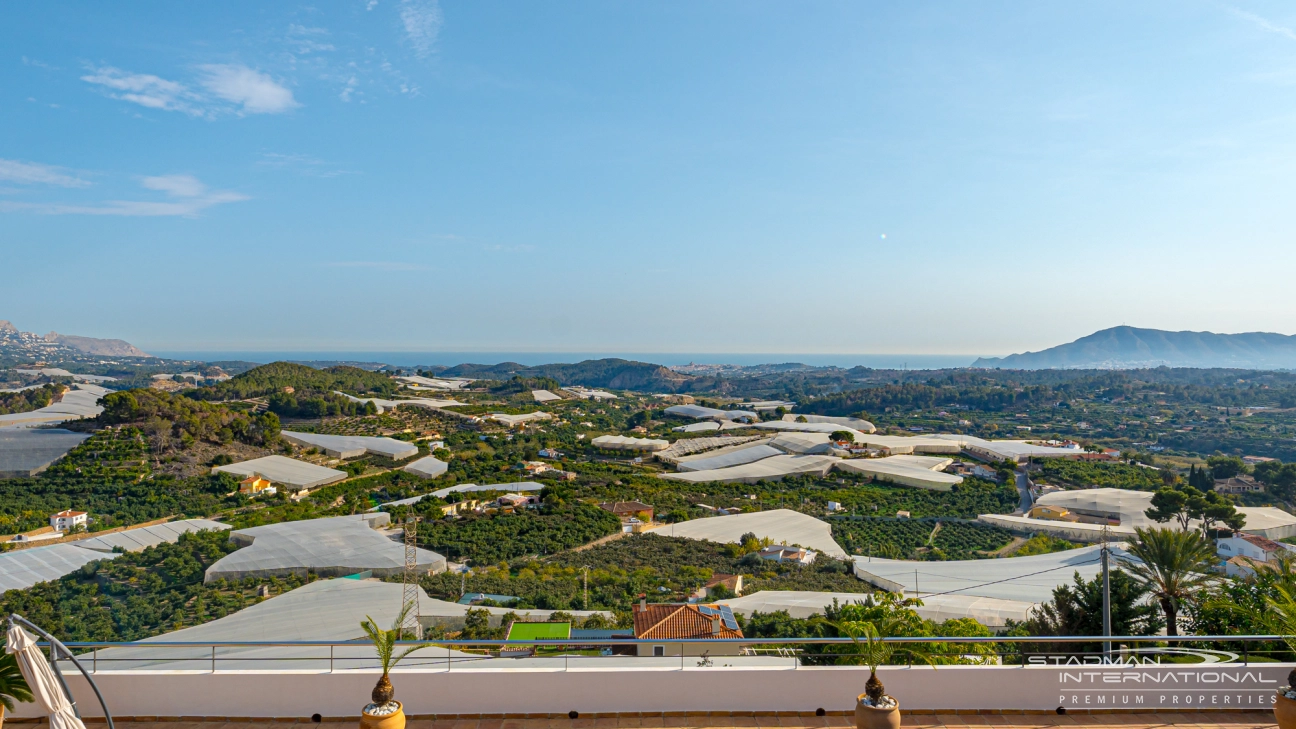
1010 579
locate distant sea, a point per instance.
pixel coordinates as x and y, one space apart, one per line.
414 359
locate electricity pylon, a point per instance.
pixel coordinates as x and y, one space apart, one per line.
409 596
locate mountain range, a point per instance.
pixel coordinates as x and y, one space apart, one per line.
10 335
1130 348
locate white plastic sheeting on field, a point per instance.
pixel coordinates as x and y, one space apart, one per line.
281 469
427 467
918 471
727 457
1026 579
990 612
353 446
337 546
784 526
768 469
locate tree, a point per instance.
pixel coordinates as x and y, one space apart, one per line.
1188 504
384 642
890 618
1200 478
842 436
1172 565
1077 609
1222 467
1279 477
1220 510
1169 505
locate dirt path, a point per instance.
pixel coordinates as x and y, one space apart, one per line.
601 540
1010 547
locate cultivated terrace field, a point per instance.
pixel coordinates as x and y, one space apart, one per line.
151 454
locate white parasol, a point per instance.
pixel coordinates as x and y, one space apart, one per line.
47 692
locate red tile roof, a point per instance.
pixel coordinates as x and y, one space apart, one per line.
673 621
1267 545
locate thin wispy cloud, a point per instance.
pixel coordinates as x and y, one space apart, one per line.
175 185
187 197
1263 23
33 173
38 64
225 88
303 164
306 40
421 20
147 90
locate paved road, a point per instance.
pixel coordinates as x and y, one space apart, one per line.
1024 491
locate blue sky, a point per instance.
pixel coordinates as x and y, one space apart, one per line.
677 177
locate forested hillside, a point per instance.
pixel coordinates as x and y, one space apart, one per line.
294 390
615 373
274 377
25 401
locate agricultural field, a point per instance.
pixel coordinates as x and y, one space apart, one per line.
929 539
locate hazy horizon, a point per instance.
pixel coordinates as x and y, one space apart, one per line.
668 359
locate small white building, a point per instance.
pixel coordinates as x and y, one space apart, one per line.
784 553
67 520
1250 546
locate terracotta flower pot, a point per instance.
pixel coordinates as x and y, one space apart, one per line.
1285 711
874 717
391 721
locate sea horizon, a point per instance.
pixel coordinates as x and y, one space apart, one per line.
668 359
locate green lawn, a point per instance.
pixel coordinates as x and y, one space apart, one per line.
539 631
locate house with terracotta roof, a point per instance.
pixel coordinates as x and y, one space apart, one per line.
673 621
1240 484
732 583
1245 567
67 520
626 510
255 484
1251 546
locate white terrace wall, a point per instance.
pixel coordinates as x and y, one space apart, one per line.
612 689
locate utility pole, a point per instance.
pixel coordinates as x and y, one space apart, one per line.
585 599
1106 572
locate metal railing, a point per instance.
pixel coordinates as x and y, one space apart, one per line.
564 654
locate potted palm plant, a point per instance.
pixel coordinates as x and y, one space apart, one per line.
875 709
13 687
1281 619
385 712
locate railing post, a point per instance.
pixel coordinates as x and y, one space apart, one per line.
213 659
330 659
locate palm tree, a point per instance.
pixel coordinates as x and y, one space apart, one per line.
13 687
1280 618
874 651
1173 565
384 642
